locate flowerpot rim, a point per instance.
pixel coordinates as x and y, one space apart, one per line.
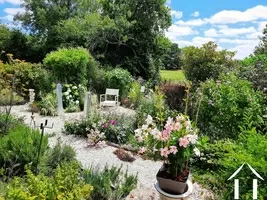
175 196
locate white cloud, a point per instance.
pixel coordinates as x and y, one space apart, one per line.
193 22
255 35
196 41
174 32
176 14
237 41
7 18
243 51
14 2
235 16
237 31
262 25
13 11
211 33
169 2
195 14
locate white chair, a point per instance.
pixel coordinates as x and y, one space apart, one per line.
110 98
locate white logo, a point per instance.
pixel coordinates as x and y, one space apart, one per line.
255 182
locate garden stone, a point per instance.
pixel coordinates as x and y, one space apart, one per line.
87 104
143 194
31 95
59 100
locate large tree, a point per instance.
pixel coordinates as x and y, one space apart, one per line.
117 33
262 47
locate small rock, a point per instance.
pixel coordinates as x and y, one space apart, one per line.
143 194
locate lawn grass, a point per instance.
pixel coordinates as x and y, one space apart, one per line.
172 75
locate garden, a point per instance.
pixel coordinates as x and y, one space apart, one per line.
186 119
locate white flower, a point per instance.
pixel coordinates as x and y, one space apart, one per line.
169 121
180 118
77 102
138 132
67 97
156 133
66 93
196 151
144 127
192 138
149 120
74 87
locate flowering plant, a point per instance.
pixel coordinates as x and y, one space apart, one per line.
174 144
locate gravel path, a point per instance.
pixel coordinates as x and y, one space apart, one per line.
146 169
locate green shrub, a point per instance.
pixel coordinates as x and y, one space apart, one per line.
110 184
64 184
202 63
73 97
254 69
225 104
56 156
70 65
117 129
135 95
19 148
48 105
5 98
28 76
82 127
220 160
119 79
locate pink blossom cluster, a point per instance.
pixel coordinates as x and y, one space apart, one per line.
166 151
187 140
180 125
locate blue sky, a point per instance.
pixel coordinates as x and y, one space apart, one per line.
233 24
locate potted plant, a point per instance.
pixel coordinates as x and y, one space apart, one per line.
174 143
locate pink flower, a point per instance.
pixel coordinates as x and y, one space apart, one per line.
183 142
105 125
166 134
113 122
164 152
177 126
142 150
140 139
173 149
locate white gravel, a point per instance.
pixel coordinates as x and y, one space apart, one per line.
88 156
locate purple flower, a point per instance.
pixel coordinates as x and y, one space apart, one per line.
105 125
113 122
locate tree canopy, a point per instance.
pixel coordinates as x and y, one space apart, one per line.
128 34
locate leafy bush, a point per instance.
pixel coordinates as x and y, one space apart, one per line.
119 79
70 65
83 126
220 160
73 97
48 105
5 97
64 184
110 184
56 156
254 70
202 63
19 148
28 76
135 95
175 94
225 104
116 129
